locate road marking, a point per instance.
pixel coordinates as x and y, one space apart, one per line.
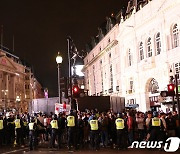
14 151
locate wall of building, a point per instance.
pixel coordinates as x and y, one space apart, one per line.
140 80
15 83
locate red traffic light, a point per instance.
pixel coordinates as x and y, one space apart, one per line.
76 91
171 87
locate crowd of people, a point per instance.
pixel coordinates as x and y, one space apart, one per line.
90 129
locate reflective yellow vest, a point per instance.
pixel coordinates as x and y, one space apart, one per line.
70 121
17 123
31 126
119 123
156 122
25 123
94 124
54 124
1 124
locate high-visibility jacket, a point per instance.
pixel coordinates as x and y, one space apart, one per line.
119 123
94 124
25 123
70 121
17 123
156 122
31 126
54 124
1 124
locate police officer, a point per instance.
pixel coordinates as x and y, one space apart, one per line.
155 128
19 130
10 129
61 129
25 127
32 133
1 129
54 130
121 126
94 133
71 124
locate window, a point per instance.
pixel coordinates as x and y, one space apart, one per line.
153 86
141 52
111 77
94 78
158 44
129 58
131 101
102 85
175 36
109 40
131 85
177 68
149 48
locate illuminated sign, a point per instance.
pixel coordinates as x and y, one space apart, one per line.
78 70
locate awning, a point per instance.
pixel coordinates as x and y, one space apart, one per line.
171 102
132 105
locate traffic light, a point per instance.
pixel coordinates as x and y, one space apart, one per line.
64 86
171 87
170 91
76 91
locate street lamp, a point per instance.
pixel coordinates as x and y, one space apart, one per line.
59 61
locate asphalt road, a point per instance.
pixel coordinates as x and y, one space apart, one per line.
46 150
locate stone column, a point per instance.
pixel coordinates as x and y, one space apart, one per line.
6 94
11 88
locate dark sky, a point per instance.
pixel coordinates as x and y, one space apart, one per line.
40 29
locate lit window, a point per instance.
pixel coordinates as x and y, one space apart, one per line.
111 77
175 36
149 48
141 52
158 44
129 58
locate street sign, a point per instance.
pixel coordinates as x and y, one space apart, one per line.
178 89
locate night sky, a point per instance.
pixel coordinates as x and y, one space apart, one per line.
40 29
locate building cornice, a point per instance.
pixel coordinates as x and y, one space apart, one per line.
106 49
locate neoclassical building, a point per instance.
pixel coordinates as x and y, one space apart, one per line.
17 83
136 58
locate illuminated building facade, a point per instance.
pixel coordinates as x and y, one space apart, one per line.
16 83
142 54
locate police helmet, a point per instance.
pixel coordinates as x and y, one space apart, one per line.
119 115
32 119
54 116
17 116
155 114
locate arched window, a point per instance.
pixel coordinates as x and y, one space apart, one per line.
141 52
175 32
153 86
158 44
129 58
149 48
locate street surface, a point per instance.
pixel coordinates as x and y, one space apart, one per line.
46 150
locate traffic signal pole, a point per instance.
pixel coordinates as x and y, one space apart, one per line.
177 95
69 65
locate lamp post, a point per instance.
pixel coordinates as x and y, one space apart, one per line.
59 61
